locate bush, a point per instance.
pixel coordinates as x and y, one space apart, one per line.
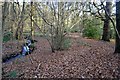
7 37
66 43
91 30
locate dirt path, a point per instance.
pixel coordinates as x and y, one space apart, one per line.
86 58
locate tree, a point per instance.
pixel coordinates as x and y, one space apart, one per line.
4 14
104 13
1 30
19 30
106 27
6 21
55 16
31 18
117 45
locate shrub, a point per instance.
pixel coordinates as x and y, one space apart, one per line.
91 30
7 37
66 43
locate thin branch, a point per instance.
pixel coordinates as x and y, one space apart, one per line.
98 10
42 16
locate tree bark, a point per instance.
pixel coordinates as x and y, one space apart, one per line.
5 13
117 45
18 34
1 36
106 27
31 18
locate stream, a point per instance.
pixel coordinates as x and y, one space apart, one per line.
12 57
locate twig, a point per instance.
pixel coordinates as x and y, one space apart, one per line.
37 67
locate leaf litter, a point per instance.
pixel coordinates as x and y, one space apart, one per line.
86 58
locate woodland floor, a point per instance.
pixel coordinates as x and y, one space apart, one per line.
86 58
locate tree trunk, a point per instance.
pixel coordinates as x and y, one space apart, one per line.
106 27
31 18
1 35
18 34
4 17
117 45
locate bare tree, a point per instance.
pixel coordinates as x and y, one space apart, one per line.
55 15
19 30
